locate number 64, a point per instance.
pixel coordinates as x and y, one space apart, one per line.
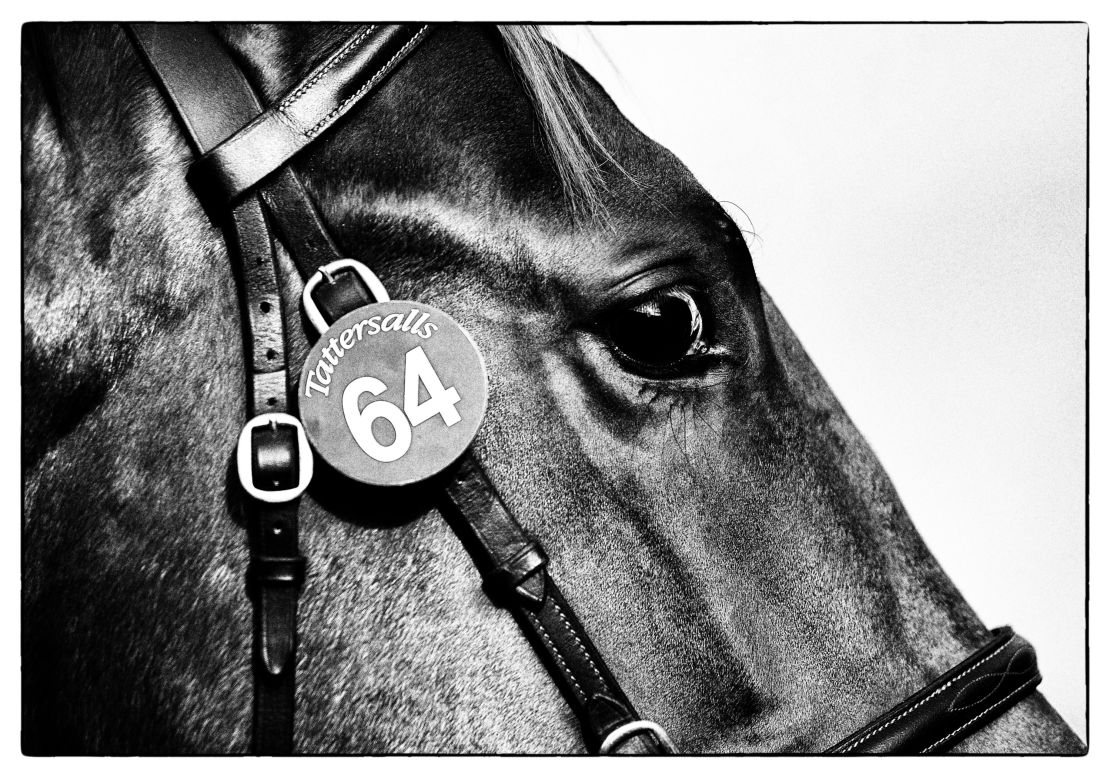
440 402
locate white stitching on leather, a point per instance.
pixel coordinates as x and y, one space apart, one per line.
1006 672
336 58
581 647
954 732
867 736
558 656
362 90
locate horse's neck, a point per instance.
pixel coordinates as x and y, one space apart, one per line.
117 252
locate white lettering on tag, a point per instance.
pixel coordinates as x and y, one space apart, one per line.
418 370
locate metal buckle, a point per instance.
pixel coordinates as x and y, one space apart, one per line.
366 274
245 449
633 728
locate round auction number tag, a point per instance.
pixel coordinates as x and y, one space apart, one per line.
393 393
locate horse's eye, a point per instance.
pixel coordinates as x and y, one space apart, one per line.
659 331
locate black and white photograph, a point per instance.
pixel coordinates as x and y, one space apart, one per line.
502 384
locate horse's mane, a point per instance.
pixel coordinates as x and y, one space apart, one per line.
557 91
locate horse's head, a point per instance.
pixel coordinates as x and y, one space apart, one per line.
719 524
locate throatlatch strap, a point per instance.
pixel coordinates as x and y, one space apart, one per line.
961 701
196 75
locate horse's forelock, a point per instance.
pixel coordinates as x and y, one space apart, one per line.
557 95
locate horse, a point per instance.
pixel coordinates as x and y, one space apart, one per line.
730 541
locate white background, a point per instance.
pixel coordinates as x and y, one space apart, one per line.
918 193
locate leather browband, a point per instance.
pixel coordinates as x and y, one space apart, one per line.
956 704
308 109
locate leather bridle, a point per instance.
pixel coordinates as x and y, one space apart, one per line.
241 174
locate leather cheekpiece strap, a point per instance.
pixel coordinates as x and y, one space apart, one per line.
310 108
972 693
212 99
275 576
